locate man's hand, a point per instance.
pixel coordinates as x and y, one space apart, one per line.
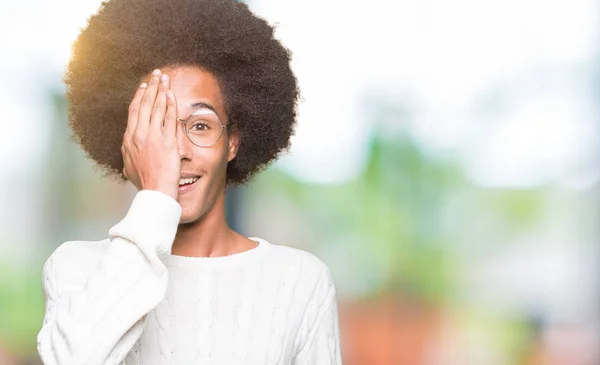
150 150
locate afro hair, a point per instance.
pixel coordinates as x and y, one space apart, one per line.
127 39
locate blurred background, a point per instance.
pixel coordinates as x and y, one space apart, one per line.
446 168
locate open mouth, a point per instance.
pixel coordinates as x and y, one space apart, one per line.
188 181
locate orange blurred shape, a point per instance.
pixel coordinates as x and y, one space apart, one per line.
387 332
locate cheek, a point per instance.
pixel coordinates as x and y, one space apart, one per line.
212 159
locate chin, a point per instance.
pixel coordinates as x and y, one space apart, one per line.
198 202
190 216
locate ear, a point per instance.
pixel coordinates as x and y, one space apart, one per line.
234 144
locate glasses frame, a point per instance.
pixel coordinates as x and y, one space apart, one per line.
223 127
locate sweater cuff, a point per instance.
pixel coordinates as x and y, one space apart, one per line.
151 222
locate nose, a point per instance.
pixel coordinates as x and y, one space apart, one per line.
185 148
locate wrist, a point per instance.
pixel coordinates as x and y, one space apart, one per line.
172 192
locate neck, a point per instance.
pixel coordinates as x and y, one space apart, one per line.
209 236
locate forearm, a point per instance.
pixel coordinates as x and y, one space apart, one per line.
95 313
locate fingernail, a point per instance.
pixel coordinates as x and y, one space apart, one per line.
164 78
144 85
156 72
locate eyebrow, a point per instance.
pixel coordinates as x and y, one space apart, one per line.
204 105
201 104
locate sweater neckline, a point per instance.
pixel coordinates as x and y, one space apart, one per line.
220 262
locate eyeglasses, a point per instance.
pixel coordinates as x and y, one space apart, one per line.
204 127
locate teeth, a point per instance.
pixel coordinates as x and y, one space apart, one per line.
188 180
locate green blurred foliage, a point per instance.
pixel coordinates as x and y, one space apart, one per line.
21 307
408 212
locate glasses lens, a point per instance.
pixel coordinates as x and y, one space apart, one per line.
204 127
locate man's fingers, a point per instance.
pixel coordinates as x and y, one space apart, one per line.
160 105
170 127
134 108
147 102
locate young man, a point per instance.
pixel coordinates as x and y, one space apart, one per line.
172 283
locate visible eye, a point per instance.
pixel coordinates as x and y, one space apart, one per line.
199 127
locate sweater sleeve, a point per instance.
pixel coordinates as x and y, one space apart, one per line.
319 336
97 299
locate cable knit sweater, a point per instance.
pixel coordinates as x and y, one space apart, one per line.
127 300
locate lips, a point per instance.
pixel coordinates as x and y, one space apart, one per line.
188 180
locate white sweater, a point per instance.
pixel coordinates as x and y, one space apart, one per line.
128 300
